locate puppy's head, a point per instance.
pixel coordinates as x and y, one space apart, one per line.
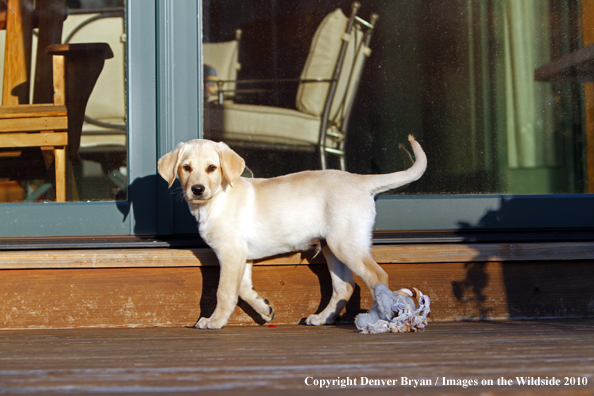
203 167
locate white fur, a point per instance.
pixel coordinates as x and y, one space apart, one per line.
247 219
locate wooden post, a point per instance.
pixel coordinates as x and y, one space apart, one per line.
59 62
17 56
60 163
588 38
51 20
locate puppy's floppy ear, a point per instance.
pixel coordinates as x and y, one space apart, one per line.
231 163
169 162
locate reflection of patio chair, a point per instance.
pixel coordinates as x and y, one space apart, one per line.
57 118
106 109
104 136
325 96
224 59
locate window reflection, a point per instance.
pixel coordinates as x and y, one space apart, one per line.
458 74
88 36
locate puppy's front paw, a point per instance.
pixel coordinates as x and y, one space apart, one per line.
202 323
268 317
317 320
207 323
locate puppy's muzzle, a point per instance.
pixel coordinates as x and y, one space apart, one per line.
198 190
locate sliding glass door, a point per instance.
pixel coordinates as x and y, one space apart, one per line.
112 159
508 144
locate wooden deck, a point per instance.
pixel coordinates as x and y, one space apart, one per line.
111 321
174 287
265 360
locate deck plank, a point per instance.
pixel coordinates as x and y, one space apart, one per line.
383 254
267 361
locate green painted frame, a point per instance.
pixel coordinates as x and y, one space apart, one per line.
485 212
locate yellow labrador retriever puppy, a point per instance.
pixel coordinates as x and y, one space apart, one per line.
247 219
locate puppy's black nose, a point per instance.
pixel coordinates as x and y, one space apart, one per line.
198 189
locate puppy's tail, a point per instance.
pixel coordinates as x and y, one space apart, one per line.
390 181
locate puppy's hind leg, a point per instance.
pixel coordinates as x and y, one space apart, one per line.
343 285
249 295
357 258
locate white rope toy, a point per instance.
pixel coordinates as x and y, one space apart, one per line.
395 312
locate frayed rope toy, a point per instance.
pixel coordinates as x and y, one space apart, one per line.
395 312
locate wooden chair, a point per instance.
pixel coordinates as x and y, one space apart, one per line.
64 78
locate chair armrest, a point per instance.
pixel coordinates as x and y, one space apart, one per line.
221 91
101 50
277 80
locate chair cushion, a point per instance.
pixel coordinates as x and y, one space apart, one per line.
264 124
223 57
321 61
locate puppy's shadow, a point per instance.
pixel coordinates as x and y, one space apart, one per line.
208 299
210 282
353 306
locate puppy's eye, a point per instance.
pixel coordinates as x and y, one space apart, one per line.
187 168
211 168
